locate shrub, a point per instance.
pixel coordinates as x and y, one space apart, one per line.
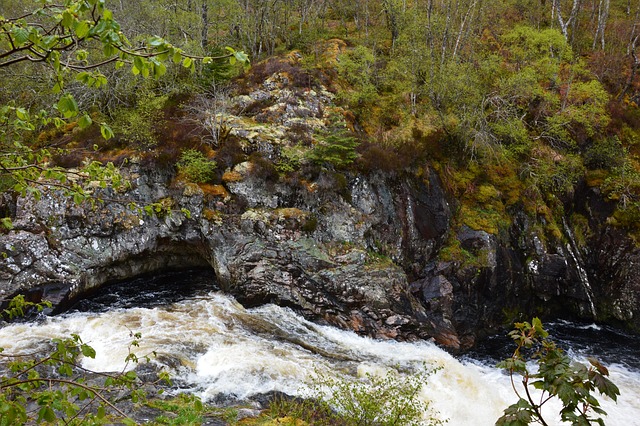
230 153
557 377
391 399
263 168
606 153
195 167
50 386
338 150
139 125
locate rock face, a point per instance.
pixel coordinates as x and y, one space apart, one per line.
356 251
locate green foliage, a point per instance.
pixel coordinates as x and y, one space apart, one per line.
184 409
290 158
556 377
623 187
19 306
606 153
139 125
54 382
75 40
391 399
358 68
336 148
195 167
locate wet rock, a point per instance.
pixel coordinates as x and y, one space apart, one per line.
339 248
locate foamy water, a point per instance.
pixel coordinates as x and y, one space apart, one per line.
212 345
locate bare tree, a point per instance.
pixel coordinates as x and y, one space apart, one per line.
603 15
570 21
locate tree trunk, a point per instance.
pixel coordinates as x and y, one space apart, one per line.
603 14
205 24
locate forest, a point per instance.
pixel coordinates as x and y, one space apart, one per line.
512 102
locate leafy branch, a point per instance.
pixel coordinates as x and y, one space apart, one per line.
556 376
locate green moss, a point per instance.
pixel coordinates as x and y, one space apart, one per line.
453 251
310 224
581 230
490 219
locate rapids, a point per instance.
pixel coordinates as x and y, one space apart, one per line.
213 346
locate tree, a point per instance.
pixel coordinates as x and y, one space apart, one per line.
71 40
556 377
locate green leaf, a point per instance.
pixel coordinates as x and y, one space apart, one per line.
57 88
46 413
241 57
67 106
156 41
177 56
85 121
187 62
22 113
20 35
159 69
106 131
82 29
88 351
67 19
83 77
139 63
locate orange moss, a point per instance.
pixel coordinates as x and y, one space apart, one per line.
232 176
217 191
595 178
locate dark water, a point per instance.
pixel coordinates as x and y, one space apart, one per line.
149 291
605 343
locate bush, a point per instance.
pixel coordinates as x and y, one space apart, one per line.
50 386
139 125
557 377
605 154
338 149
391 399
195 167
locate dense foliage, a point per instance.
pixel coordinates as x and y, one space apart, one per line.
514 103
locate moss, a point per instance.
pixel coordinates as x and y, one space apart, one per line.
212 215
581 230
485 219
453 251
290 213
595 178
232 176
214 191
310 224
378 260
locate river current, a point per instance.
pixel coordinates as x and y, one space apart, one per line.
214 347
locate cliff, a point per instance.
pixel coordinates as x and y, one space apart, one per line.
365 251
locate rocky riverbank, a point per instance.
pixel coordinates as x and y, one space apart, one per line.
361 251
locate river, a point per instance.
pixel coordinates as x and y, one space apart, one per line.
217 349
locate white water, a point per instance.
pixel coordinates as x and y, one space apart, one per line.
214 345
